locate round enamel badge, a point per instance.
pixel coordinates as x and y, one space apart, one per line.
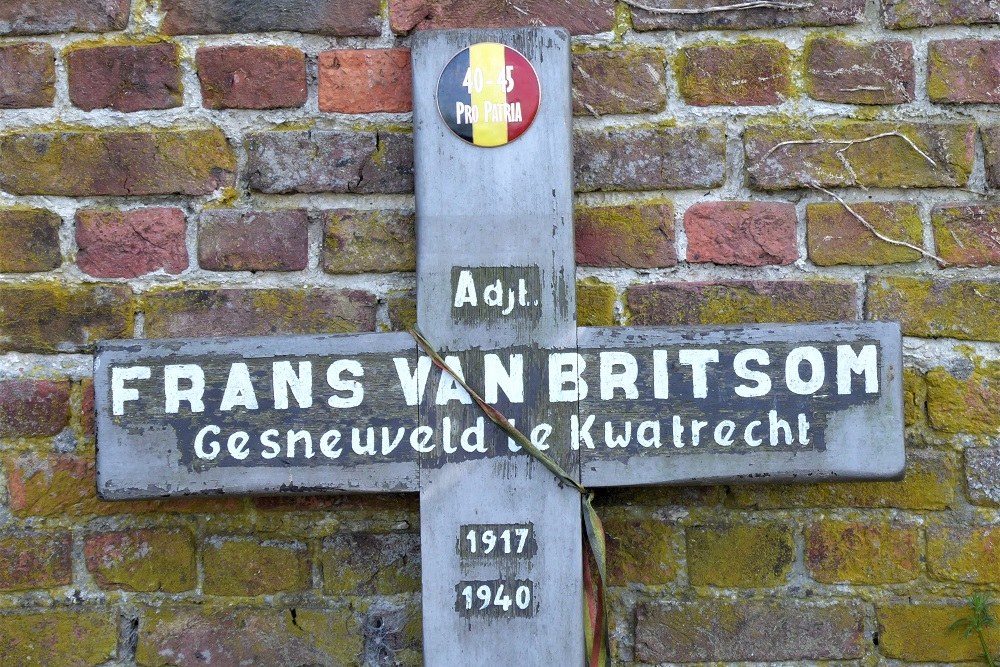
488 94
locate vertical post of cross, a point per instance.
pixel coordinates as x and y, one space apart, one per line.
501 540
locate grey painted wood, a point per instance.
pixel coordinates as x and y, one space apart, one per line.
847 436
509 206
146 452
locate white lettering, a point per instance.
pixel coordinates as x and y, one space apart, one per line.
612 440
239 389
328 441
267 438
497 377
368 448
448 387
474 437
333 374
652 440
849 362
724 433
294 436
794 380
758 356
660 374
172 375
778 425
581 436
624 380
199 443
237 445
284 378
119 392
420 437
413 384
539 435
566 368
465 290
698 361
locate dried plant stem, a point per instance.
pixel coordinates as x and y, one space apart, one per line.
871 228
847 143
753 4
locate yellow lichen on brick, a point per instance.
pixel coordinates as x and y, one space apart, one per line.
930 483
740 556
250 567
595 303
919 633
965 402
59 638
862 552
640 550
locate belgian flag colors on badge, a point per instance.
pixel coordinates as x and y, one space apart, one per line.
488 94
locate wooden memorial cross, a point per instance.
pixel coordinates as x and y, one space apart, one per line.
500 537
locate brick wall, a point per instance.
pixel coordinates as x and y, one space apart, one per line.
200 167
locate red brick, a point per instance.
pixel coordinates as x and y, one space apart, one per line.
741 302
145 560
33 407
252 77
49 317
747 631
991 144
880 72
982 476
827 13
379 241
128 244
964 71
964 553
965 309
639 236
744 233
967 235
27 76
577 16
650 158
742 74
125 78
31 237
613 81
340 18
365 81
255 567
225 636
35 560
53 486
847 153
242 312
127 162
88 414
329 161
231 240
923 13
835 236
862 552
40 17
